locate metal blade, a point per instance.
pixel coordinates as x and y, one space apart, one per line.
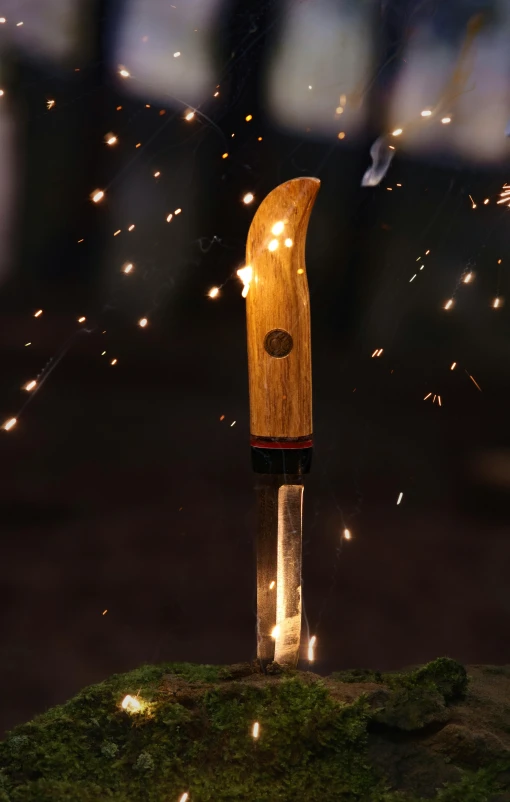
267 533
288 574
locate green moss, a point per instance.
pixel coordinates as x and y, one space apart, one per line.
194 733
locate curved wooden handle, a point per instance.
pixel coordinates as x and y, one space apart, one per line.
278 314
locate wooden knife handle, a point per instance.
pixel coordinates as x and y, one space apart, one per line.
278 318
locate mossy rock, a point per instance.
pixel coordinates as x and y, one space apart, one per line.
369 737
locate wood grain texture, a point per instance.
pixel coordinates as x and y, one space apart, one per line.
278 299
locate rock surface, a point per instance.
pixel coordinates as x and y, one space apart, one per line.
438 731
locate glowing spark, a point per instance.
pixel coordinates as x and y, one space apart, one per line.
30 386
178 211
127 268
113 362
390 189
446 120
439 400
259 139
375 352
138 145
131 227
2 20
255 729
104 612
169 218
288 243
496 303
278 228
339 110
309 86
49 103
8 425
427 253
82 319
27 344
486 201
18 24
248 197
189 116
275 631
233 423
347 534
426 113
468 278
103 353
131 704
273 245
341 135
176 55
413 278
396 132
38 313
400 497
504 200
427 396
449 304
224 156
222 417
216 94
453 366
116 233
213 292
343 100
124 73
472 201
300 271
111 139
474 382
184 797
272 584
246 275
97 195
143 322
379 352
157 174
311 648
248 117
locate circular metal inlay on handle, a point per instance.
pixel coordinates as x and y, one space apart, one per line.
278 343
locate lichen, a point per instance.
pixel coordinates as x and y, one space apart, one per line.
194 733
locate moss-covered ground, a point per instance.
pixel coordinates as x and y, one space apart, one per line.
194 733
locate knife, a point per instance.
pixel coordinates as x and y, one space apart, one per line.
280 386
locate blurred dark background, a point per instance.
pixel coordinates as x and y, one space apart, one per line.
123 489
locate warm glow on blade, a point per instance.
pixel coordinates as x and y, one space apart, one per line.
272 584
288 243
288 574
311 649
278 228
246 275
273 245
131 704
8 425
275 632
255 729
